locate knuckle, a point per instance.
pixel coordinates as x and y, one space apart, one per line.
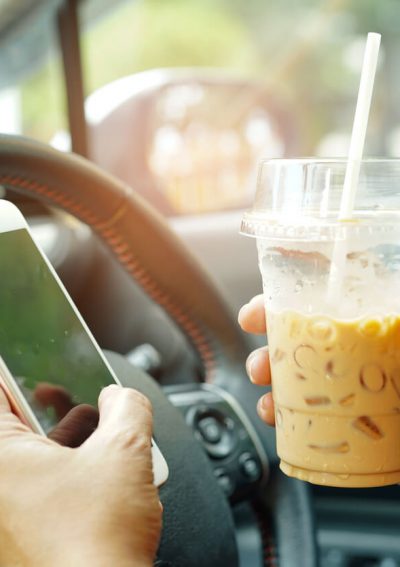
139 398
138 441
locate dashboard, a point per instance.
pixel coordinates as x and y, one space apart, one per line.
358 528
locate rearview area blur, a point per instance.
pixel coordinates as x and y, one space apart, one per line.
209 101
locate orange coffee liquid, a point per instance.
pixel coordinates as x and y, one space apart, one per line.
336 387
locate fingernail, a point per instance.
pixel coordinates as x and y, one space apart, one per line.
242 310
249 364
264 402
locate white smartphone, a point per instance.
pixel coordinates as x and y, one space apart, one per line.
50 362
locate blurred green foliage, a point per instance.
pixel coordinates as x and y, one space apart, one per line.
42 101
169 33
298 48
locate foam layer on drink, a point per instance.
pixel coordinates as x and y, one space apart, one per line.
336 386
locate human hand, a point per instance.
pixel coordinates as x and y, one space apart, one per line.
252 320
90 506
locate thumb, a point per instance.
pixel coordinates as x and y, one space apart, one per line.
125 418
9 422
5 407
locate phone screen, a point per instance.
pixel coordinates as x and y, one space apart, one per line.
42 339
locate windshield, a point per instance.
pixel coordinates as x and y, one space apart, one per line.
246 80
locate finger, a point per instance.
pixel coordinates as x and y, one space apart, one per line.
56 396
258 367
265 409
5 407
125 417
10 421
252 316
76 426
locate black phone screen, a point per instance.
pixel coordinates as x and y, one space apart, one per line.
42 340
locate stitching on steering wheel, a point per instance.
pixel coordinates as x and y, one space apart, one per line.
270 552
190 327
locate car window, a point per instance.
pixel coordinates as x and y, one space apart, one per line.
184 96
31 81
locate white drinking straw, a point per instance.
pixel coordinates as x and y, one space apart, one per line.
360 126
354 160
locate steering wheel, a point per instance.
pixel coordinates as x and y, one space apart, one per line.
198 525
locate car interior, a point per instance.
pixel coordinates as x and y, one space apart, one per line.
133 173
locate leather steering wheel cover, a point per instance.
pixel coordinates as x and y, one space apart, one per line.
146 247
137 235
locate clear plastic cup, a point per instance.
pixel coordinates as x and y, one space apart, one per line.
332 298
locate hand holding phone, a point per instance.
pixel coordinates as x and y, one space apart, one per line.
51 362
94 505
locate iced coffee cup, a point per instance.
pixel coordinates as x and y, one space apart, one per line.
332 298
